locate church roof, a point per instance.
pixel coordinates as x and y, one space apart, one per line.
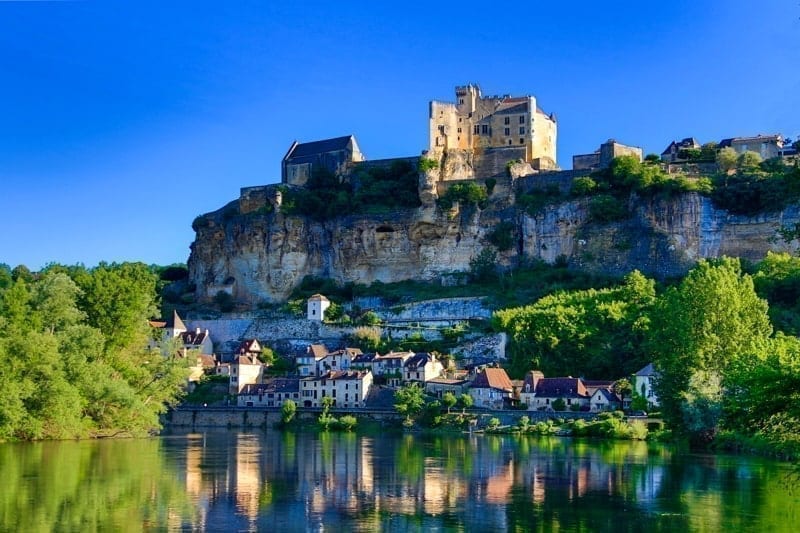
299 150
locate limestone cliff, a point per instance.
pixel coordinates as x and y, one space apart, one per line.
261 256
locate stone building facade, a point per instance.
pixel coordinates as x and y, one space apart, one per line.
334 155
604 155
475 123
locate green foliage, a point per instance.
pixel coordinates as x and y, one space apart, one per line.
727 159
777 279
465 194
503 235
409 401
426 164
369 318
72 354
366 338
449 400
583 186
288 411
535 200
590 332
559 404
709 324
483 267
348 422
755 188
605 208
493 423
466 401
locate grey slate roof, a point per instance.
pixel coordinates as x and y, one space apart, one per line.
303 150
649 370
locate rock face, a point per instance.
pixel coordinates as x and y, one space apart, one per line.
262 256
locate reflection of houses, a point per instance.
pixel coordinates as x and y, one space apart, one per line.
347 388
422 367
491 388
272 393
643 382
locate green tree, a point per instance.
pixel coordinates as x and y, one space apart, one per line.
409 401
288 411
749 160
449 400
727 159
710 323
559 404
466 401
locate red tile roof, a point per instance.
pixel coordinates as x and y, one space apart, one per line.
493 378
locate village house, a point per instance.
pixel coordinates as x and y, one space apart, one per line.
245 370
250 347
491 389
604 400
347 388
198 340
676 151
307 362
539 392
272 393
643 382
316 306
421 367
438 386
338 360
767 146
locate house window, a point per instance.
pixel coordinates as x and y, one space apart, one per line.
522 130
484 129
460 100
477 129
459 130
507 120
509 142
507 131
441 130
522 119
521 141
233 379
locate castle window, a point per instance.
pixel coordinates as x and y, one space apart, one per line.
484 129
507 120
477 129
507 131
522 130
460 100
459 130
522 119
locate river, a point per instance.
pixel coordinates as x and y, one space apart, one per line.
306 481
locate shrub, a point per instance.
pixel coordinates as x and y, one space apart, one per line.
427 164
575 407
502 236
583 186
638 430
483 267
367 338
348 422
466 194
288 411
494 423
559 404
606 208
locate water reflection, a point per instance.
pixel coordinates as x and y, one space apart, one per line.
223 480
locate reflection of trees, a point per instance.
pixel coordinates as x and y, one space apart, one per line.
90 486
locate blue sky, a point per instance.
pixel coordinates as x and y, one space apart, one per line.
120 122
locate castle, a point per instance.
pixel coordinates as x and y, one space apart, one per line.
476 123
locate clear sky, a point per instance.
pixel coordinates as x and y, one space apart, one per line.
122 121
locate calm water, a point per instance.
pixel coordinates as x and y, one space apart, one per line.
273 481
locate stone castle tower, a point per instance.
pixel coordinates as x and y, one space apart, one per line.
475 123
